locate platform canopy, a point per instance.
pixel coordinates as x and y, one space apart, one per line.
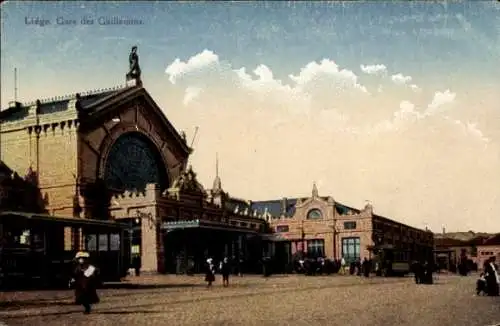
201 224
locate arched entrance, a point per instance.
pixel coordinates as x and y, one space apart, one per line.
132 162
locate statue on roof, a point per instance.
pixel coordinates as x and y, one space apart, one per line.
134 69
315 191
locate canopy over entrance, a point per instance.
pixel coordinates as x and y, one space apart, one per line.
202 224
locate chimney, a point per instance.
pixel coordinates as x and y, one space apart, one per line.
284 205
444 230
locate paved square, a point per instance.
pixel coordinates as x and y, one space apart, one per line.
252 300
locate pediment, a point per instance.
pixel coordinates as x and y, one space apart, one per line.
312 201
130 105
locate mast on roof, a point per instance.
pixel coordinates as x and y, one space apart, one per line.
15 84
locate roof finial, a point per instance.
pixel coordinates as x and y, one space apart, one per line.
217 186
217 165
315 190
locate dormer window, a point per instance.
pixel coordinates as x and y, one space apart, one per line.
314 214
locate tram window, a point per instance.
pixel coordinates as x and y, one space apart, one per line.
103 242
114 242
91 242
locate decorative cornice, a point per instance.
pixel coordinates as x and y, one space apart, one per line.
73 95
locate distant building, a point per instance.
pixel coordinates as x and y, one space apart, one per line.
477 249
320 226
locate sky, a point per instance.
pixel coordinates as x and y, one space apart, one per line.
396 103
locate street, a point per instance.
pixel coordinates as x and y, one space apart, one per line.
253 300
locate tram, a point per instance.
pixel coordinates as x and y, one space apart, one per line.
392 261
37 250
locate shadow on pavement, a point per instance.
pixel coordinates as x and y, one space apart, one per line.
68 300
128 312
132 308
17 304
133 286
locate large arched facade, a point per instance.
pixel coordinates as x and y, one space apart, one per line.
132 162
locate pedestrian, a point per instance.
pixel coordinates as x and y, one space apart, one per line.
225 270
481 284
366 267
492 277
85 280
342 266
210 272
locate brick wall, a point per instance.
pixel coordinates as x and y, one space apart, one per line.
485 252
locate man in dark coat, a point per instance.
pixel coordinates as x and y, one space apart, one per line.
225 270
366 267
492 277
86 280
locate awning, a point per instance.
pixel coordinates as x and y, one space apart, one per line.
275 237
176 225
210 225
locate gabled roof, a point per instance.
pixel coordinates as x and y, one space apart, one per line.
58 104
4 168
93 105
274 206
102 106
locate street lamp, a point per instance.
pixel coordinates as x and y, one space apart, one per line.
303 236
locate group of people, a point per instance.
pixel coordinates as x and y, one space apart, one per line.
422 271
489 280
211 270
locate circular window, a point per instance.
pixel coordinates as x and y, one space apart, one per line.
314 214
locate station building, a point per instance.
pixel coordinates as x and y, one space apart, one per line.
113 154
321 226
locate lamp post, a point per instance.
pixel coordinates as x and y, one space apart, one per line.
334 235
303 236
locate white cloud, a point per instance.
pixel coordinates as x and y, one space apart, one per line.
199 61
415 88
469 128
191 93
409 113
343 79
377 69
401 79
439 100
246 117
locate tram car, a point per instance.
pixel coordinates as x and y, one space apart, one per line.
391 261
37 250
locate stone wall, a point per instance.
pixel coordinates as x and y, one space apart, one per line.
47 143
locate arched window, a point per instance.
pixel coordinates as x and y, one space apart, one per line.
314 214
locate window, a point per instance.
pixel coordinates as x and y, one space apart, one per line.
103 242
350 225
91 242
114 242
314 214
282 228
351 249
316 248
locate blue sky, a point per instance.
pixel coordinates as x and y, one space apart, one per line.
396 102
286 35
